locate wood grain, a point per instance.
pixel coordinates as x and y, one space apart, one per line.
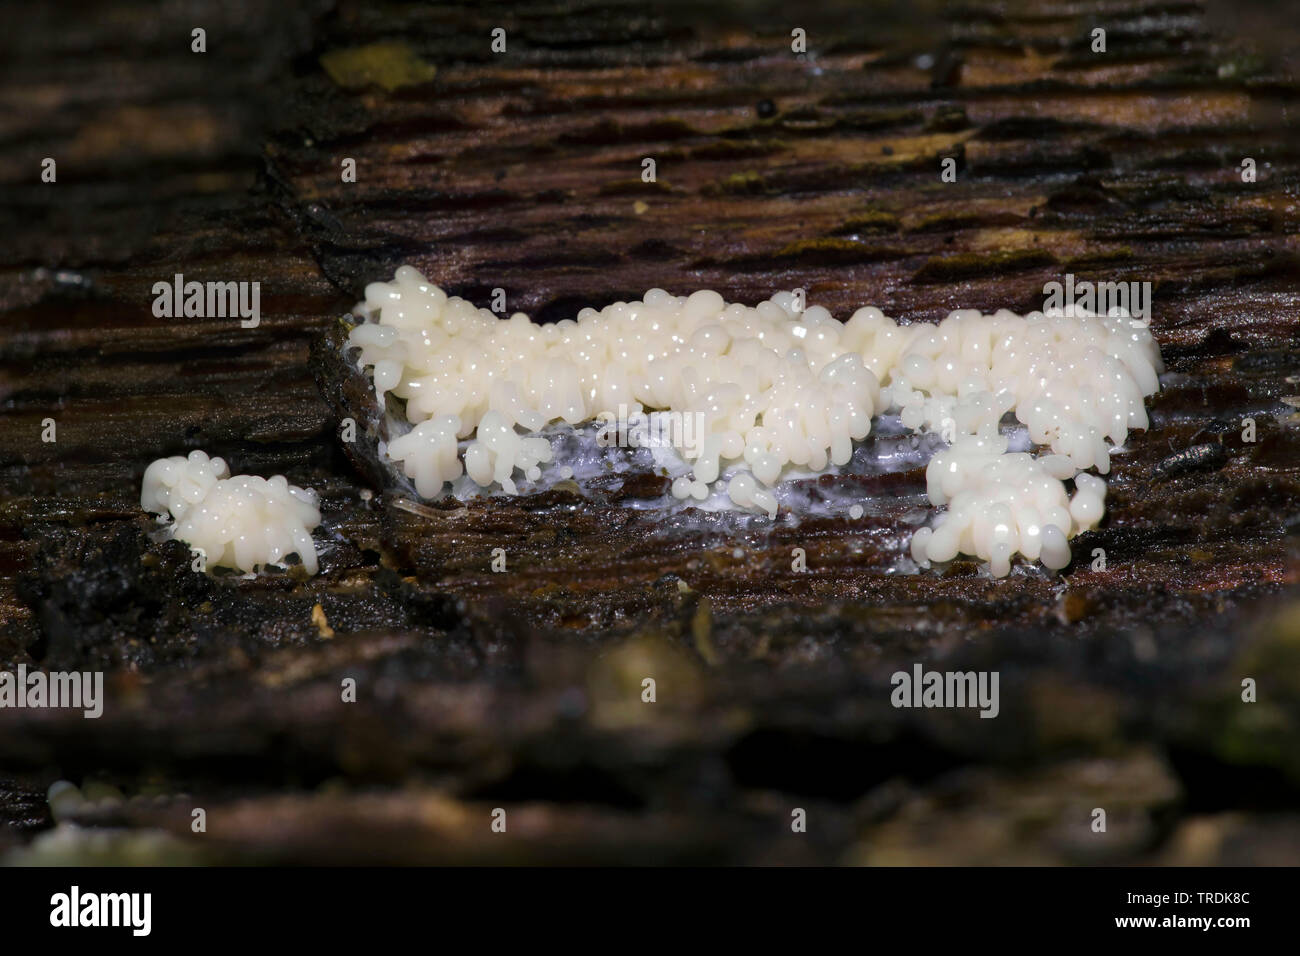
523 171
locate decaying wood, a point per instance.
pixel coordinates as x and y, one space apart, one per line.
1120 687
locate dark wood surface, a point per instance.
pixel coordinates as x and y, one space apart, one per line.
1120 688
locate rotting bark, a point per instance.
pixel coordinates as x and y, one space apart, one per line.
1119 687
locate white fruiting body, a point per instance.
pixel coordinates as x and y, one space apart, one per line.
776 388
238 522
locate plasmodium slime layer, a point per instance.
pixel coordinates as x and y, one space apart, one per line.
775 388
238 522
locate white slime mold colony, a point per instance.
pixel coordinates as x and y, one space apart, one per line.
779 391
239 522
